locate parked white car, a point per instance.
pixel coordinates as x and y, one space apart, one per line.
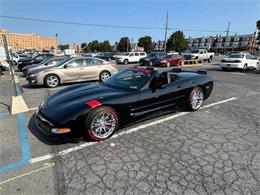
130 57
242 61
199 54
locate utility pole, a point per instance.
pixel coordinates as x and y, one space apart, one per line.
166 29
227 31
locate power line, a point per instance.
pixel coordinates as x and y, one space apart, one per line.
79 23
103 25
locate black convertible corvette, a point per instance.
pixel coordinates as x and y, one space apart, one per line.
97 109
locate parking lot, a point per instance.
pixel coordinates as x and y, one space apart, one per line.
215 150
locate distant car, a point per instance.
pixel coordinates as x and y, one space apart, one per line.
72 70
105 56
37 59
199 54
130 57
151 58
170 60
97 110
44 64
242 61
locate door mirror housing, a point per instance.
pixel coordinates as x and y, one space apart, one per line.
65 66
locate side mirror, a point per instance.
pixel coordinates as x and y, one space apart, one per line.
65 66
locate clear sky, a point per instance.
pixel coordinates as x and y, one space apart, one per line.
186 15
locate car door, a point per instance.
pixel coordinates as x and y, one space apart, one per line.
155 99
136 57
91 69
71 70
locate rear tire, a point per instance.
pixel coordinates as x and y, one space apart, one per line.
196 99
101 123
104 75
210 60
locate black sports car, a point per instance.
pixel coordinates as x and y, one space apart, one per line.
97 109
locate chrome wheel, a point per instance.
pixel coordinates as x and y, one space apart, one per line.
104 76
103 125
52 81
197 99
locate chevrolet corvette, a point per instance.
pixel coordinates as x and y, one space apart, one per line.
97 110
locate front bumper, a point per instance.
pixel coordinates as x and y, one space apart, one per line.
32 80
119 60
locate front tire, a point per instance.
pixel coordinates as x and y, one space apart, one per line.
125 61
51 81
101 123
245 68
210 60
168 64
196 99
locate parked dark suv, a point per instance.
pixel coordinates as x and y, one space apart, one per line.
37 59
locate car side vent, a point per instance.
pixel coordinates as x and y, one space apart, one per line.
176 70
201 72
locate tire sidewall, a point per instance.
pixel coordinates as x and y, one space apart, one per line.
102 73
45 81
125 61
190 98
90 117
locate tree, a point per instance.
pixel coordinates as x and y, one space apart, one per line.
63 47
176 42
258 24
84 46
105 46
93 45
146 43
124 45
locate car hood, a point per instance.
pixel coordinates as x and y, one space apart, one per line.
37 70
81 94
33 66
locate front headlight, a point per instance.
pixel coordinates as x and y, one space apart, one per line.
33 75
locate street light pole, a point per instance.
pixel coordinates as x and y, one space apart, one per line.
166 29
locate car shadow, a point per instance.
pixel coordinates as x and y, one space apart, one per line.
218 69
79 138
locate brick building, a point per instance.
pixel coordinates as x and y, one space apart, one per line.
19 41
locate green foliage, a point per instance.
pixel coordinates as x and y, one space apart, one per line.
105 46
177 42
63 47
84 46
146 43
93 45
123 44
258 24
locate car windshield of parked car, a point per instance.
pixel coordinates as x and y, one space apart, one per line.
125 54
62 62
195 51
236 56
131 78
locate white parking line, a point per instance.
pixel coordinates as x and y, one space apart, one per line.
84 145
47 165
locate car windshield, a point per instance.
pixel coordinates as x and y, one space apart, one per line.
195 51
236 56
62 62
45 61
131 78
125 54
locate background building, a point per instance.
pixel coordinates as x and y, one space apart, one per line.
158 46
223 43
19 41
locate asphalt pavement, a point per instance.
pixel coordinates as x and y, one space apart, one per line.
215 150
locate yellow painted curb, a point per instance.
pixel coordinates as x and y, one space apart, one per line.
16 80
18 105
191 65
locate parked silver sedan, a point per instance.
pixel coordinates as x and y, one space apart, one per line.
72 70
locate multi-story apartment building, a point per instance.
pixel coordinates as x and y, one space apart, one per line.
19 41
158 46
221 43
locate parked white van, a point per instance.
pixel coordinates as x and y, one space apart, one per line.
130 57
